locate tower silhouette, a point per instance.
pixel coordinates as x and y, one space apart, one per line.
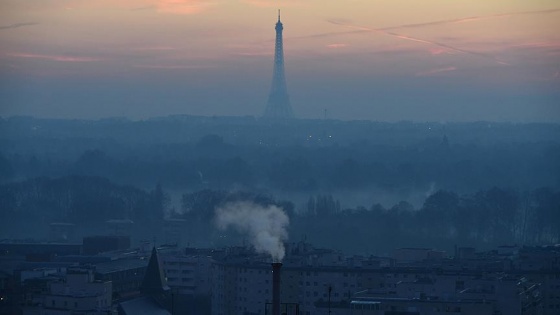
278 106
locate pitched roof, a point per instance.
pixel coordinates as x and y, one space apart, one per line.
154 280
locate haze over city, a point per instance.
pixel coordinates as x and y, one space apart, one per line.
258 157
398 60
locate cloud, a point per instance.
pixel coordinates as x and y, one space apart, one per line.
538 45
397 50
17 25
179 7
254 53
439 51
170 67
543 48
60 58
274 4
154 48
435 71
335 46
144 8
330 34
183 7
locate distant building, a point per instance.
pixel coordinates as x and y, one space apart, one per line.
423 283
189 274
541 264
126 275
236 280
38 251
76 293
413 306
417 254
94 245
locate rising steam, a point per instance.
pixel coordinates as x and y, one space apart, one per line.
265 226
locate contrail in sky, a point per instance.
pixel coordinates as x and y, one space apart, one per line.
419 40
433 23
468 19
17 25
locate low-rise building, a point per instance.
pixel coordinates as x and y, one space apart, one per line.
75 293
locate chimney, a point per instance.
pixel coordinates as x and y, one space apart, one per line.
276 288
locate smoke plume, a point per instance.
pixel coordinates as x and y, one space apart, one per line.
265 226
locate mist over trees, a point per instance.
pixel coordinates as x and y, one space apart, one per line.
483 219
308 156
359 186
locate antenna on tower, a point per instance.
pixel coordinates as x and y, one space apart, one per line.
278 15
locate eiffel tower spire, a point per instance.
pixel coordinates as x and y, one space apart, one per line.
278 105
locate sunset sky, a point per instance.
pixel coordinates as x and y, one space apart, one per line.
386 60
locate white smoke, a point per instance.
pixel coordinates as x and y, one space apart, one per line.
265 226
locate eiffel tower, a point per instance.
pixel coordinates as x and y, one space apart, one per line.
278 106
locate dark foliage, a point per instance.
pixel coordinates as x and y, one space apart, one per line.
84 172
85 201
191 153
484 219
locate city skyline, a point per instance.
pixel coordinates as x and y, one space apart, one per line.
387 61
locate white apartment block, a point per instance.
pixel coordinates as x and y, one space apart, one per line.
188 274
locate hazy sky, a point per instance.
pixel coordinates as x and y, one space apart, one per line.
429 60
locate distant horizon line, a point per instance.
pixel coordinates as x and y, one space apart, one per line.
256 118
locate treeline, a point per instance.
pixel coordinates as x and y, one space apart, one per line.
28 207
212 163
483 219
